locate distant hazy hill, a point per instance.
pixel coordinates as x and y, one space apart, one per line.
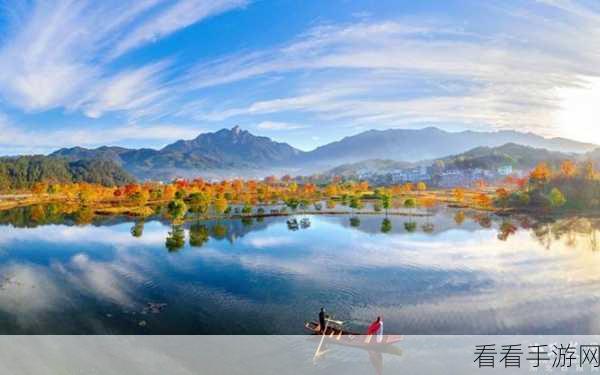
518 156
429 143
594 155
378 165
24 171
227 150
523 157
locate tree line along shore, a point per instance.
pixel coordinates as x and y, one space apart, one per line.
573 187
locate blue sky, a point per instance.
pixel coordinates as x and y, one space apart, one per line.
145 73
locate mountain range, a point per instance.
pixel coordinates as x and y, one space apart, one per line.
430 143
227 152
237 152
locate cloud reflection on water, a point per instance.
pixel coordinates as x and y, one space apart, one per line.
454 280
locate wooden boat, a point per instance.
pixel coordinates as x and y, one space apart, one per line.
337 335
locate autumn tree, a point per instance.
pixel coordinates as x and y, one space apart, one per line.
568 168
459 194
140 197
87 194
540 174
220 205
168 192
428 202
331 190
502 196
589 170
39 188
363 186
483 200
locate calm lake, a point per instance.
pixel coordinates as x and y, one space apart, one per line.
452 273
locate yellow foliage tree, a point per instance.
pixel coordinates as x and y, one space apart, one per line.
568 168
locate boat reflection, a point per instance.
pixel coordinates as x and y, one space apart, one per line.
326 345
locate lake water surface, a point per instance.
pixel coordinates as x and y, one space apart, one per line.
452 273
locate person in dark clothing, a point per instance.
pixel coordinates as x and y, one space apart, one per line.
322 319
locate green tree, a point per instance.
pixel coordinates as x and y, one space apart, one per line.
177 209
557 199
410 203
292 203
356 202
199 203
247 209
386 200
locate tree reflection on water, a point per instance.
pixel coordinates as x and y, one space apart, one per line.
572 232
176 238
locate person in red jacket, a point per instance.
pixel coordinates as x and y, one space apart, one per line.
376 328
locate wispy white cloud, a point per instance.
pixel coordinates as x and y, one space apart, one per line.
522 72
134 91
275 125
60 51
414 72
178 15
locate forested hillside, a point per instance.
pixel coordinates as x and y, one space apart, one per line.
490 158
24 171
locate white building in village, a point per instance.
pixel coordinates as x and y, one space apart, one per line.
505 170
